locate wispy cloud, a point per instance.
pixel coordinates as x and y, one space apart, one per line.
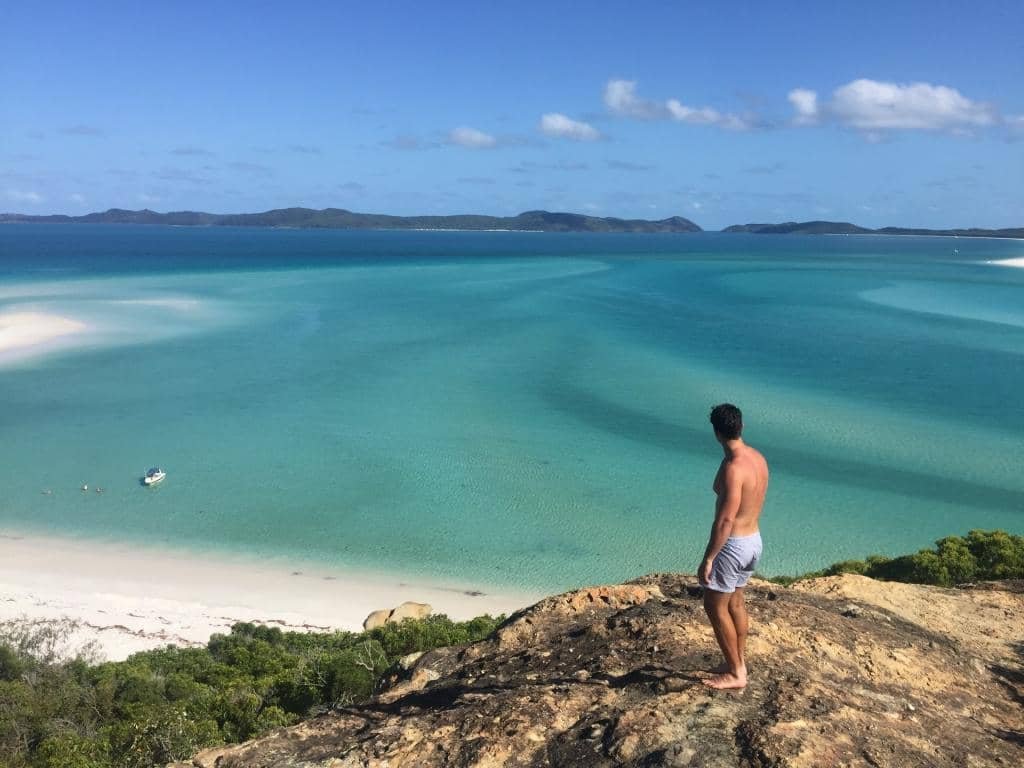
305 149
528 166
953 183
409 143
351 186
625 165
471 138
194 151
561 126
24 196
621 98
874 107
181 174
475 180
81 130
707 116
1015 126
764 170
254 169
76 197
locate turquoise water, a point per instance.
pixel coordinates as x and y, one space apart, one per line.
509 409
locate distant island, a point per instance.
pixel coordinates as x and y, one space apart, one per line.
529 221
339 218
845 228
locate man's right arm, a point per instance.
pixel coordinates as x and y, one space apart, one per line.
726 508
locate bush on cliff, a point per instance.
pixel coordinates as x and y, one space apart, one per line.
978 556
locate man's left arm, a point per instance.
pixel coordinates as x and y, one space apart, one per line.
727 506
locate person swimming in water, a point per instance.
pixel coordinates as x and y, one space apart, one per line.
734 546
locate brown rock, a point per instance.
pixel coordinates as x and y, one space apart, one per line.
376 619
409 610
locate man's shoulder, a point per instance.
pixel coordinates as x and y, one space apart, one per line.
757 455
749 463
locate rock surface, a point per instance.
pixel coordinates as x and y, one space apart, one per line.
376 619
844 671
407 610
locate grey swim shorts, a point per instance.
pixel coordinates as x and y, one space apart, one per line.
735 563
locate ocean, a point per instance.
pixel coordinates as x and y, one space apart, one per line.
506 409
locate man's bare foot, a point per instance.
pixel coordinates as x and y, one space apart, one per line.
728 681
721 669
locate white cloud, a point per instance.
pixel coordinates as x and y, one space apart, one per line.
877 106
806 105
620 97
24 196
472 138
706 116
77 197
873 106
556 124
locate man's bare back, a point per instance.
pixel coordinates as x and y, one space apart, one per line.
748 469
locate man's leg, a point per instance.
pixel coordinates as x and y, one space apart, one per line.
738 612
716 605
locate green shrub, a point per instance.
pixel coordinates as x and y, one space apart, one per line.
847 566
159 736
979 556
164 705
72 751
998 555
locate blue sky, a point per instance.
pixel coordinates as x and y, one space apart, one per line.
902 113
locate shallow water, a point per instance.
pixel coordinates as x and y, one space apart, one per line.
509 409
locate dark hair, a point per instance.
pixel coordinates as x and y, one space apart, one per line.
727 420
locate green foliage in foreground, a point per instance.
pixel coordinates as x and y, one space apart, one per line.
164 705
978 556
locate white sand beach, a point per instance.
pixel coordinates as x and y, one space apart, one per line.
1009 262
25 333
129 599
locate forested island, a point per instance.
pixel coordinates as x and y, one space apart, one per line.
339 218
529 221
846 228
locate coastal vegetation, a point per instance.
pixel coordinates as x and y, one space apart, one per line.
164 705
978 556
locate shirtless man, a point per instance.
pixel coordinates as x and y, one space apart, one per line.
734 546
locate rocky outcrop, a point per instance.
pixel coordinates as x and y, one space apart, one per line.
407 610
843 672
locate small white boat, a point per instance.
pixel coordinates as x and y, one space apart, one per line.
154 476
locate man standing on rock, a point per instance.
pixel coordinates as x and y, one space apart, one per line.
734 546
